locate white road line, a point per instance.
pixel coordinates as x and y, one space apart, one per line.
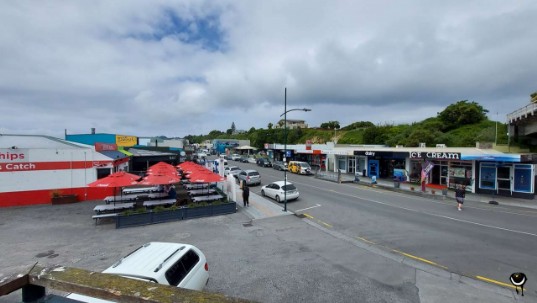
446 217
307 208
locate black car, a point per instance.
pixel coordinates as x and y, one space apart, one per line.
264 162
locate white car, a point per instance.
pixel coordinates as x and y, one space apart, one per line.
251 160
235 157
276 190
175 264
233 170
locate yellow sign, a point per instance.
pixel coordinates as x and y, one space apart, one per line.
126 140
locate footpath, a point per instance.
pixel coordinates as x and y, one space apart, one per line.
440 285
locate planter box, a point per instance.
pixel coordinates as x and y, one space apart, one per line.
174 215
64 199
167 216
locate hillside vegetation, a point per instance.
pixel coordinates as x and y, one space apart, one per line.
461 124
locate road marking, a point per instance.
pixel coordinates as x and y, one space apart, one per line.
366 241
313 218
419 259
494 282
307 208
442 216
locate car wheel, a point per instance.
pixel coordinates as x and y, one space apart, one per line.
277 198
262 193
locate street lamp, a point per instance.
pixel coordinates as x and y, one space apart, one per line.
285 144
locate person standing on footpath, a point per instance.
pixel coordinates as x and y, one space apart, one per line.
245 195
460 193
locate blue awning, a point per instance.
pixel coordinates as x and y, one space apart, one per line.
492 158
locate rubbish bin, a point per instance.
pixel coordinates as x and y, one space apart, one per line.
396 184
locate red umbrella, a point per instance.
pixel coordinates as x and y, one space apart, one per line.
119 179
162 165
208 177
115 180
159 179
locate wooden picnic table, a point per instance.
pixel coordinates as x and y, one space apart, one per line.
121 198
139 190
198 199
112 207
157 195
196 186
152 203
200 192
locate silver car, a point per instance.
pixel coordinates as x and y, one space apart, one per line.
249 177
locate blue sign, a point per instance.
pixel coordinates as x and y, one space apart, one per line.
288 154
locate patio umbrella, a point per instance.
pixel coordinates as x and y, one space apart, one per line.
162 165
115 180
153 179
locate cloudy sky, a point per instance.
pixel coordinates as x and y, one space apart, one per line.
175 68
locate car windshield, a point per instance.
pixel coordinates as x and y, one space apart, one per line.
305 165
289 187
234 168
253 173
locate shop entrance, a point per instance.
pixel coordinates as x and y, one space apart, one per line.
504 178
373 168
352 165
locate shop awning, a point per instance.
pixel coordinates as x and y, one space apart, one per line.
114 154
122 150
492 158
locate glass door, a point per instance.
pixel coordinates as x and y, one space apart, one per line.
352 165
504 177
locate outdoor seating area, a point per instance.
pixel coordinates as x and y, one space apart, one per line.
163 186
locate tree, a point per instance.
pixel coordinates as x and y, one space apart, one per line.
252 130
233 129
330 125
462 113
269 126
358 125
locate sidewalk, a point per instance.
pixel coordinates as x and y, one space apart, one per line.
405 187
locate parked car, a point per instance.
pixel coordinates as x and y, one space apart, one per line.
251 160
263 162
175 264
299 167
249 177
278 191
233 170
243 159
235 157
278 165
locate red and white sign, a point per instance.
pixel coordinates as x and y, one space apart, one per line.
27 166
13 155
105 146
308 144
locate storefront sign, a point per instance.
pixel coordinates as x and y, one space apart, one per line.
13 155
126 140
17 166
435 155
105 146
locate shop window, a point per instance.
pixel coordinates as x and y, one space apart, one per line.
522 178
488 176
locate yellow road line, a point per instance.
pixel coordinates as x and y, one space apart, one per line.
494 281
365 240
311 217
419 259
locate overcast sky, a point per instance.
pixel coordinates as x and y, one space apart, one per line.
174 68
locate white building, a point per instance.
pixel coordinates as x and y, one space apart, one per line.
32 167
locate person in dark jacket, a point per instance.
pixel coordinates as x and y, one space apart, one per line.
246 195
460 193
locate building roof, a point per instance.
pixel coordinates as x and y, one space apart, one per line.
114 154
143 152
37 141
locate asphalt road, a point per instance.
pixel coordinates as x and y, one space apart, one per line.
482 241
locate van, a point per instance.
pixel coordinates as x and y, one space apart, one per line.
299 167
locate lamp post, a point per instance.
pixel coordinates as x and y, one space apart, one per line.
285 144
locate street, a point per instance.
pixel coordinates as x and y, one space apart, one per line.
481 241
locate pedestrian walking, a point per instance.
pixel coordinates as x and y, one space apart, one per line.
460 193
246 195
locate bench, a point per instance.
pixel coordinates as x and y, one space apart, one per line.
98 217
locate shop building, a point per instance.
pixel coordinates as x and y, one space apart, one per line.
33 168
